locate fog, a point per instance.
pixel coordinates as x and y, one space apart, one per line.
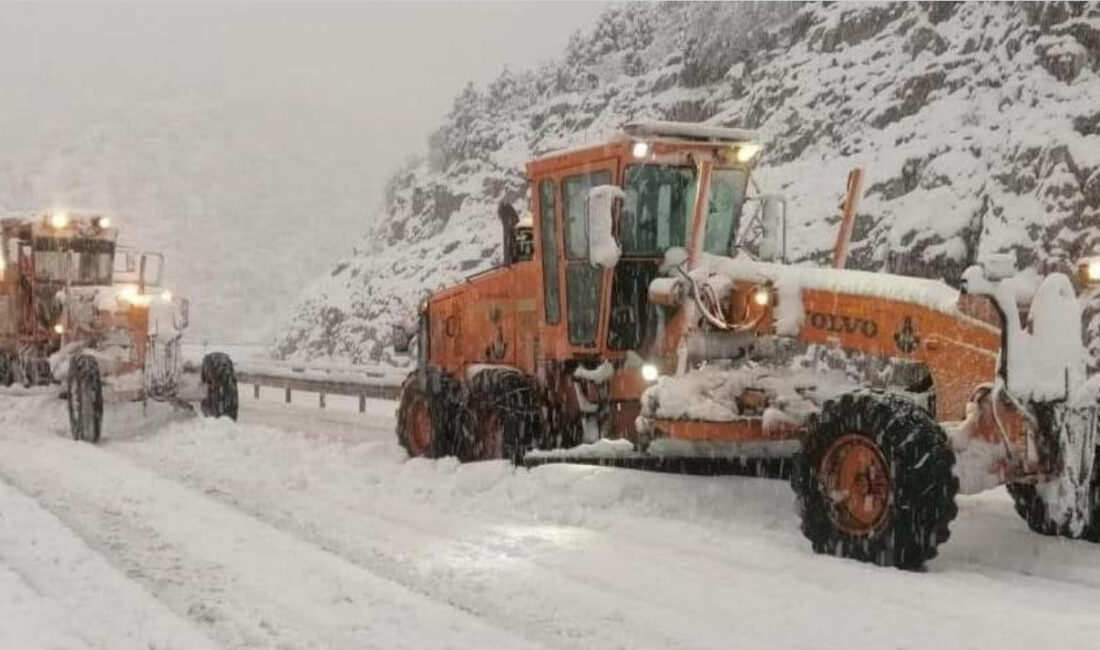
247 141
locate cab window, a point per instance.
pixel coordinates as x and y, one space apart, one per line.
727 194
549 235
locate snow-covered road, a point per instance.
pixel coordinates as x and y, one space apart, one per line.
297 528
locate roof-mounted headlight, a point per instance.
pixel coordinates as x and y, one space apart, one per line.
747 151
1089 270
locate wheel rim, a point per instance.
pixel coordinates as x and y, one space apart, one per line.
492 436
420 426
856 482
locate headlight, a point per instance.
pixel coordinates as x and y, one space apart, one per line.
59 328
59 219
130 294
101 222
650 372
641 149
747 152
761 296
166 296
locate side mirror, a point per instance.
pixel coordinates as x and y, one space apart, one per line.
773 223
524 234
603 250
152 269
183 314
402 339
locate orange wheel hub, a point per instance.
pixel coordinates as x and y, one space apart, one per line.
856 482
420 426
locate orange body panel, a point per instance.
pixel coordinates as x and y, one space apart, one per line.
491 318
960 353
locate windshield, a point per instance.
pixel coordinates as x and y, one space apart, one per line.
78 261
659 202
656 216
727 195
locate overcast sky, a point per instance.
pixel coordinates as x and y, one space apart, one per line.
380 73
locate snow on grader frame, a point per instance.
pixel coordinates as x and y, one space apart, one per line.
77 310
638 318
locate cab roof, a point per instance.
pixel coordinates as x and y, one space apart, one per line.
686 134
692 131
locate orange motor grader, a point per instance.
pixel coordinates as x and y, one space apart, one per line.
647 311
80 311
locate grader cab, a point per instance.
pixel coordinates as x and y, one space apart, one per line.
658 317
78 310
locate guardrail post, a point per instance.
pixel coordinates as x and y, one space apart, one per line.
321 399
288 396
255 391
362 403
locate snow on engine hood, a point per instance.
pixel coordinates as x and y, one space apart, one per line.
932 294
721 272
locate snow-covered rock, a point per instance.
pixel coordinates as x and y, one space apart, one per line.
977 124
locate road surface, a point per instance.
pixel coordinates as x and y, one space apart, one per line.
300 528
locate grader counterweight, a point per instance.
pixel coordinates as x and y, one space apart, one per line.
656 316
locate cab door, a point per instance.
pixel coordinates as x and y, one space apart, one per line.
585 283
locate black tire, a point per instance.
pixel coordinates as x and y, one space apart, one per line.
1028 499
221 386
36 372
560 428
85 398
501 416
1033 510
918 491
7 368
427 414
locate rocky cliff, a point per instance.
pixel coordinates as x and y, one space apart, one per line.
978 125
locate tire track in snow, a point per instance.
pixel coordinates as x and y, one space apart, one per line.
632 582
247 583
86 602
554 604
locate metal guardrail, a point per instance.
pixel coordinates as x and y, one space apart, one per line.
361 384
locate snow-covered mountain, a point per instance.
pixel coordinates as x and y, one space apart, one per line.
978 124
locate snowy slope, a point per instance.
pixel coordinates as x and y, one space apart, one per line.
977 124
297 529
